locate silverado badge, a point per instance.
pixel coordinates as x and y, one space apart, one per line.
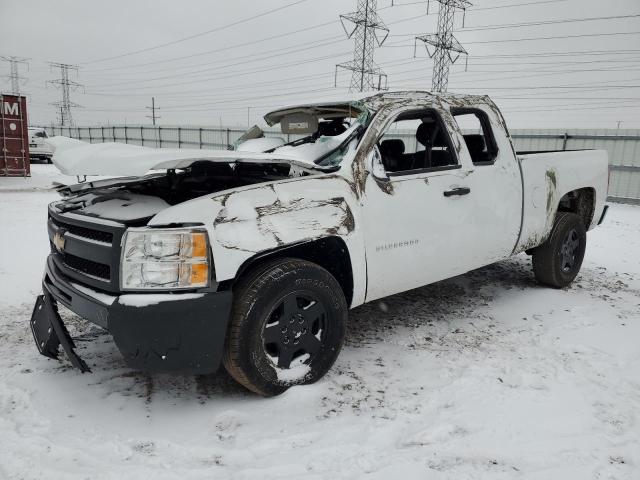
58 240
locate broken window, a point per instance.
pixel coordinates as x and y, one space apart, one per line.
417 141
477 133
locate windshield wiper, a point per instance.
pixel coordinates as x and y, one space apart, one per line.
294 143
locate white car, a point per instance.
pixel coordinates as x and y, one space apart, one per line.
38 148
253 260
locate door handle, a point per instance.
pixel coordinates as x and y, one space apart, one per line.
457 191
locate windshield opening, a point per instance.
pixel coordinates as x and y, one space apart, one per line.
312 135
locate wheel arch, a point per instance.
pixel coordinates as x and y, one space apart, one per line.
330 252
582 202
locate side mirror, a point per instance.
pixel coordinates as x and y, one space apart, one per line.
375 166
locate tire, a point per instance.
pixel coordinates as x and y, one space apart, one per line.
557 261
287 326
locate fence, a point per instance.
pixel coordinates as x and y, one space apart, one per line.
623 146
158 136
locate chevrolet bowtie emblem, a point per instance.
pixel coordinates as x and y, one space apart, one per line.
58 240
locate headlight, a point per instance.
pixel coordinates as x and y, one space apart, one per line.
164 259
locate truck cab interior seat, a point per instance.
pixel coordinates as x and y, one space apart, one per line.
392 151
440 154
436 152
477 147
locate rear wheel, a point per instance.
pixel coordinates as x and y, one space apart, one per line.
558 260
287 326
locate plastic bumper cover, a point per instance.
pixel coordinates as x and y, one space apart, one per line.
182 332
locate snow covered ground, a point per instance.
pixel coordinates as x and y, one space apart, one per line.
486 376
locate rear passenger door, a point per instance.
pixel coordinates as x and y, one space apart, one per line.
494 180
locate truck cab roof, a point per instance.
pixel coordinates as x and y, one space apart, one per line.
355 104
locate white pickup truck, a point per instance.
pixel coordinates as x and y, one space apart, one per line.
254 259
38 148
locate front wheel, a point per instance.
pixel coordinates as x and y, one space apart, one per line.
558 260
287 326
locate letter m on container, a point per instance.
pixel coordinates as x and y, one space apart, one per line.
14 137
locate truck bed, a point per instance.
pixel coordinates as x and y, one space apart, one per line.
547 177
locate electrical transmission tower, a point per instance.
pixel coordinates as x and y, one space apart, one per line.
64 106
368 32
446 48
14 74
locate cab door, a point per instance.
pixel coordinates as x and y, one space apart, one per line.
419 223
495 181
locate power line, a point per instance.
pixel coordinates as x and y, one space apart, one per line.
315 45
560 54
278 87
219 67
200 34
531 24
476 9
315 76
294 63
534 73
509 40
548 22
517 5
555 109
261 55
250 99
217 50
402 82
252 85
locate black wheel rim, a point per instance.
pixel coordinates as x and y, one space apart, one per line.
569 251
295 327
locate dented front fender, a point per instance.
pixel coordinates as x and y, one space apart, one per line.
251 220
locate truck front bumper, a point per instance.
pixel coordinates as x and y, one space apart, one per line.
182 332
40 152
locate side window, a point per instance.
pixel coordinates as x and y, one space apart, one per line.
416 141
477 133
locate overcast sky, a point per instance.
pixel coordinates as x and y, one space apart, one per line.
589 81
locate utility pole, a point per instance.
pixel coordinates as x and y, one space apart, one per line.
153 109
66 85
368 32
446 49
14 74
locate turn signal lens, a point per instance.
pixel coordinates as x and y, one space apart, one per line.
199 273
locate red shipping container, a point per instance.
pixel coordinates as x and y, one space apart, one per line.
14 137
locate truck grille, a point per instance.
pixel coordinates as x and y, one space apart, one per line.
87 267
90 253
91 234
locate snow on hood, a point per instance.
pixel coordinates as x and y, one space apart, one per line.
74 157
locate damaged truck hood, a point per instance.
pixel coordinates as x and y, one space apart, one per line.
74 157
